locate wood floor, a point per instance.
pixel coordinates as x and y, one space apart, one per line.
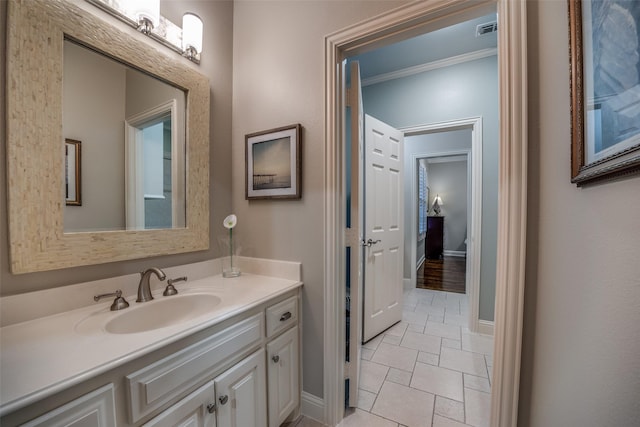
446 274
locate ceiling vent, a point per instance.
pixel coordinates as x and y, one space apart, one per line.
487 28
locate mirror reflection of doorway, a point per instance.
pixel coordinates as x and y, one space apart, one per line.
156 159
152 184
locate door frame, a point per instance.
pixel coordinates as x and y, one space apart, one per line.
403 22
474 209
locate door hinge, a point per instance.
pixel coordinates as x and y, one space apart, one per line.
351 237
347 97
346 370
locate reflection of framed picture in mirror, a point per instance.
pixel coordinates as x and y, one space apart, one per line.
72 172
604 45
273 164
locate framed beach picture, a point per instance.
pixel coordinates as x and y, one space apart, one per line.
72 172
604 44
273 163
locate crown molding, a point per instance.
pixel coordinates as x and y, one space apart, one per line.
430 66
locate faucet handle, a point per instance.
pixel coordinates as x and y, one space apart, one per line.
170 289
118 304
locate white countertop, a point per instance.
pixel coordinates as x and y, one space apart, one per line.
41 357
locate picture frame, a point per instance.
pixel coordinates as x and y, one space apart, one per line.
605 135
73 172
273 163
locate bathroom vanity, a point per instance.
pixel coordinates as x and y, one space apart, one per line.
222 352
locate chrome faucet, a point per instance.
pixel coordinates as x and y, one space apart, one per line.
144 289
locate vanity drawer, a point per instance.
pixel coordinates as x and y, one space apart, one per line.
282 315
162 381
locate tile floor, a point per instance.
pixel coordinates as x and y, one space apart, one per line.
428 370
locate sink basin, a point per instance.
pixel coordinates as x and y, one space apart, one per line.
160 313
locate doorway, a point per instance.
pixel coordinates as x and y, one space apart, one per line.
431 326
512 202
451 141
442 227
154 177
431 336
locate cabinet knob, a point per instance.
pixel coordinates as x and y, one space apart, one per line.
285 316
275 358
211 408
223 399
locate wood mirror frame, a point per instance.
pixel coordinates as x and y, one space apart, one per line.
36 31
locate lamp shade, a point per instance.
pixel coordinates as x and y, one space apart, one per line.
146 9
437 203
191 32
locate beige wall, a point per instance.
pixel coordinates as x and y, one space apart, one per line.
278 75
581 352
216 65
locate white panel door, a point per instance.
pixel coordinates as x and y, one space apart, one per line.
241 393
384 230
355 233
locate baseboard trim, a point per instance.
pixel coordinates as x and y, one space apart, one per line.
312 407
485 327
461 254
406 284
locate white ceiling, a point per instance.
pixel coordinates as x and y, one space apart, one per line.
451 41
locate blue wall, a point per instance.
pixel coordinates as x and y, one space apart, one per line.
451 93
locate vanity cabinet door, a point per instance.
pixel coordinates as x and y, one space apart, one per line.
240 392
95 409
195 410
282 372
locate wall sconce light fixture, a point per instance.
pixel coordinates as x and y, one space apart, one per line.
147 14
191 35
144 15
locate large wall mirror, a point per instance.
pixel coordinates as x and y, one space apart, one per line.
131 127
142 120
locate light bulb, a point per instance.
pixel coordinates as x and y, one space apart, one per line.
191 34
146 13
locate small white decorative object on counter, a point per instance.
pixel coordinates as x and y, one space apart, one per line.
229 270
